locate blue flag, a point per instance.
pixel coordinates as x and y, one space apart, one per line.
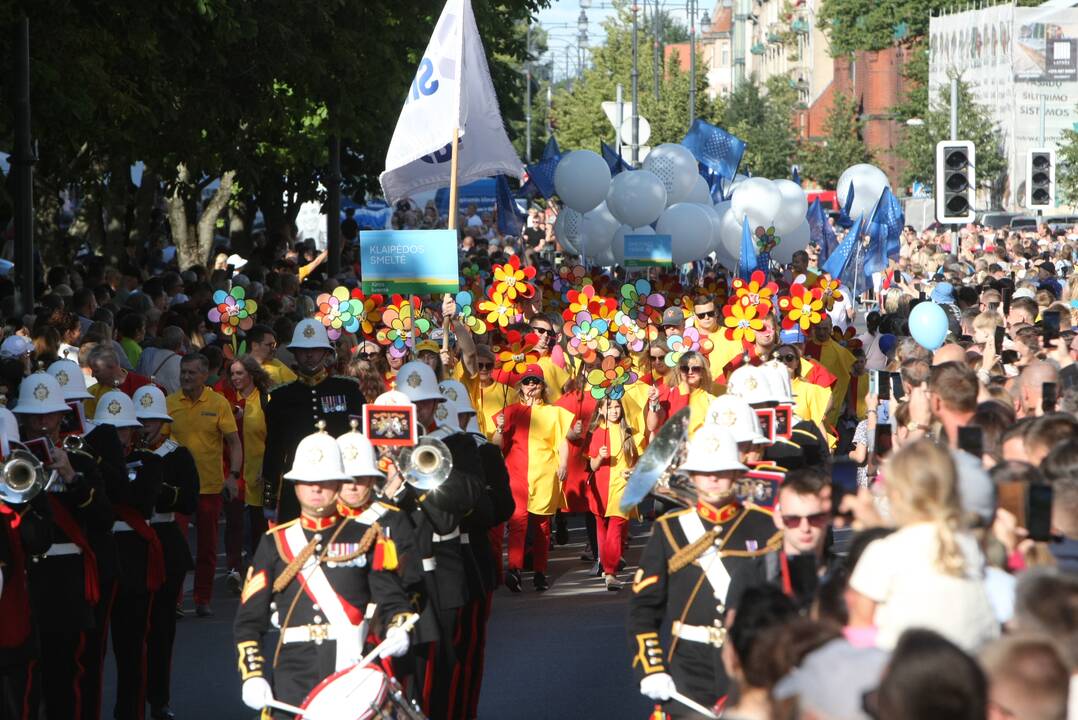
613 160
748 262
796 176
551 149
715 182
540 178
820 230
844 219
715 148
885 229
847 259
510 220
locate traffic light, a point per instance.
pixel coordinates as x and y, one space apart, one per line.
956 181
1041 179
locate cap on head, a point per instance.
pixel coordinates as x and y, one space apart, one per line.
534 370
318 459
418 382
69 377
309 334
15 346
40 394
117 409
734 415
673 316
150 404
712 450
357 454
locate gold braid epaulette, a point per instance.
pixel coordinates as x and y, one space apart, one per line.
293 568
686 555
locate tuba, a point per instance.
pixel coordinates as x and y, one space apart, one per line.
22 476
656 472
427 464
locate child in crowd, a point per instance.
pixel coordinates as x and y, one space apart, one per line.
613 451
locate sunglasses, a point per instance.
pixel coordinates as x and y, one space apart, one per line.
531 381
691 369
544 331
787 358
816 520
708 314
657 358
367 355
485 366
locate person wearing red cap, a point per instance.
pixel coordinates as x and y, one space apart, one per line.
532 436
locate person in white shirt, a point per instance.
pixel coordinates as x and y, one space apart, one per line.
930 572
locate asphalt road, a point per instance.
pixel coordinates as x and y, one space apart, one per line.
561 654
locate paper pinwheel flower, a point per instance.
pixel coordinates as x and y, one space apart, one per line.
742 322
232 310
610 378
688 340
514 356
641 304
847 339
829 291
716 289
587 336
628 333
338 311
467 314
399 331
756 292
766 239
801 308
569 278
512 281
497 310
372 311
580 300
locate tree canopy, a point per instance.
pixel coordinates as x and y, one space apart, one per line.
841 147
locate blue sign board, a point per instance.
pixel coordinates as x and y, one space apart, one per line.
647 251
409 262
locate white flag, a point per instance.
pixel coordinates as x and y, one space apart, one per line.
451 89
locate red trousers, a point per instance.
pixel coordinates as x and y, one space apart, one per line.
518 533
207 518
611 532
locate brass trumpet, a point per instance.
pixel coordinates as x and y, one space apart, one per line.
22 476
427 464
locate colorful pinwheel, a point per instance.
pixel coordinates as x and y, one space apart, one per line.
829 291
587 336
742 321
467 314
402 322
757 292
497 310
801 308
372 311
640 303
628 333
848 339
610 378
570 278
338 312
515 355
512 281
766 239
233 310
688 341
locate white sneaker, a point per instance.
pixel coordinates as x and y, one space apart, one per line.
612 583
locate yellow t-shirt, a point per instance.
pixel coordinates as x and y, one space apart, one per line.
201 426
611 437
254 447
488 402
279 372
555 378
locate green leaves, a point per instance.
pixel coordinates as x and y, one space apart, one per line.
842 147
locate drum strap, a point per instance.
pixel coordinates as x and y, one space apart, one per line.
337 610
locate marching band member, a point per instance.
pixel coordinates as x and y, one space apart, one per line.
315 577
684 574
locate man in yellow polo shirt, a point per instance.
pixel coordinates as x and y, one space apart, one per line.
262 344
202 422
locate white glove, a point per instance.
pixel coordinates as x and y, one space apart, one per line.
256 693
395 644
659 687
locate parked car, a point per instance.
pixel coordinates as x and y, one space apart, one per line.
1023 222
995 220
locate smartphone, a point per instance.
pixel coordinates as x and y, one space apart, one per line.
874 383
883 439
921 294
897 391
999 340
883 384
841 539
1007 301
1039 511
844 478
1049 394
971 439
1050 327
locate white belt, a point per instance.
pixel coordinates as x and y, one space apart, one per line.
121 526
449 536
429 564
465 540
162 517
319 633
713 636
57 549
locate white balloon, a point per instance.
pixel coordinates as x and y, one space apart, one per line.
759 199
868 183
700 193
689 229
567 228
596 231
617 245
796 239
636 198
676 167
730 239
794 206
582 179
716 226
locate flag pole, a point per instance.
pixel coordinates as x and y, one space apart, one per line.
452 224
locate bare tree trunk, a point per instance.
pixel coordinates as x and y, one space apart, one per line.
208 221
186 245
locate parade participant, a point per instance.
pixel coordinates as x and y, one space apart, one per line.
262 345
292 408
104 363
488 396
140 555
314 577
532 436
203 423
64 583
613 449
694 389
246 386
555 375
684 575
836 359
178 494
813 400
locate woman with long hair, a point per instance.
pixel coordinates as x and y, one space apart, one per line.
613 450
691 386
246 386
930 572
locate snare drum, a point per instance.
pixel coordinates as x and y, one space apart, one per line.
359 693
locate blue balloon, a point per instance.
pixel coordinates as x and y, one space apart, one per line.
928 325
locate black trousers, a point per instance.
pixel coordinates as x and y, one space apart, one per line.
699 674
161 639
62 676
20 690
93 655
130 626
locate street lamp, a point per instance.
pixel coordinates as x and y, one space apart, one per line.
692 61
705 23
582 22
